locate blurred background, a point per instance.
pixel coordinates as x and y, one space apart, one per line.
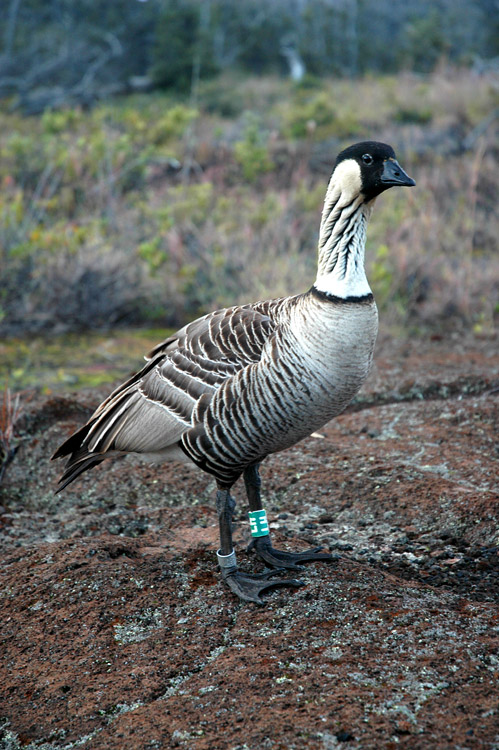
161 158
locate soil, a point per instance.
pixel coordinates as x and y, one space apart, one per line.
117 632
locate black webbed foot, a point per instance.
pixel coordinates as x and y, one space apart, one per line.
290 560
249 586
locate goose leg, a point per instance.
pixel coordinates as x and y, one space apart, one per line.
247 586
261 544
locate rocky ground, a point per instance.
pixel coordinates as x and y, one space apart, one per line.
117 633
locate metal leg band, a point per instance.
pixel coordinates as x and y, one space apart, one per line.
227 561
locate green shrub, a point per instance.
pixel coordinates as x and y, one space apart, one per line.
219 99
316 115
172 124
97 227
191 203
306 116
414 115
251 153
60 121
309 81
153 253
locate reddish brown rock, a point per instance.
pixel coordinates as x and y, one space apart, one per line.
117 633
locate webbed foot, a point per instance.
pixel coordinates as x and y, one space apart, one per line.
290 560
249 586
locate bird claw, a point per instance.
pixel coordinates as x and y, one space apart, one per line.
288 560
249 586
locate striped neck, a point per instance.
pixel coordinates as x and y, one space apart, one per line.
342 241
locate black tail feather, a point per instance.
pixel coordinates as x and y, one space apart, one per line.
76 446
76 467
73 443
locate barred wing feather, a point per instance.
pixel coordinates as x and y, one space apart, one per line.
235 333
152 410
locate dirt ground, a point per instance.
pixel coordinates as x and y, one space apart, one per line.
117 632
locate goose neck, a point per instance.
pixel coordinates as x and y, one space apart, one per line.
342 241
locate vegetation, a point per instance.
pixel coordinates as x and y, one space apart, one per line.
57 52
151 211
10 411
68 361
201 185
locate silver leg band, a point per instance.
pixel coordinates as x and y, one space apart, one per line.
227 561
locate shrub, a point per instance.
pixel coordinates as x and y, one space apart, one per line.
172 124
252 151
317 115
98 228
413 115
219 99
10 411
60 121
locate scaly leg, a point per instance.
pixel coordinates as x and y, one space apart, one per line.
261 544
247 586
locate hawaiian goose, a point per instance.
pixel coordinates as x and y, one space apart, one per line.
243 382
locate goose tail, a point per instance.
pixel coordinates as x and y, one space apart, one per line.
80 458
76 466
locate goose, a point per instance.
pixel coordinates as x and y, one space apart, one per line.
240 383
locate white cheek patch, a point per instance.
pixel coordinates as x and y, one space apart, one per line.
344 188
347 178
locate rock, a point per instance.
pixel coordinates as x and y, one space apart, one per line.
129 639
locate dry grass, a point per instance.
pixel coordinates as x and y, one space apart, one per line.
100 227
441 250
10 411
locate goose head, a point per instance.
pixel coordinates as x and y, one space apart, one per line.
368 169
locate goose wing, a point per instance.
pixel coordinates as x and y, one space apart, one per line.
238 333
149 412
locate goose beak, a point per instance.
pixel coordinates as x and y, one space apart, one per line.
393 174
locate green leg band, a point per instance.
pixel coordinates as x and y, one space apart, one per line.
258 523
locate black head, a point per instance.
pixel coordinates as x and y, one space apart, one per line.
379 168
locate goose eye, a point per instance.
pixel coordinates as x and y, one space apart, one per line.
367 159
